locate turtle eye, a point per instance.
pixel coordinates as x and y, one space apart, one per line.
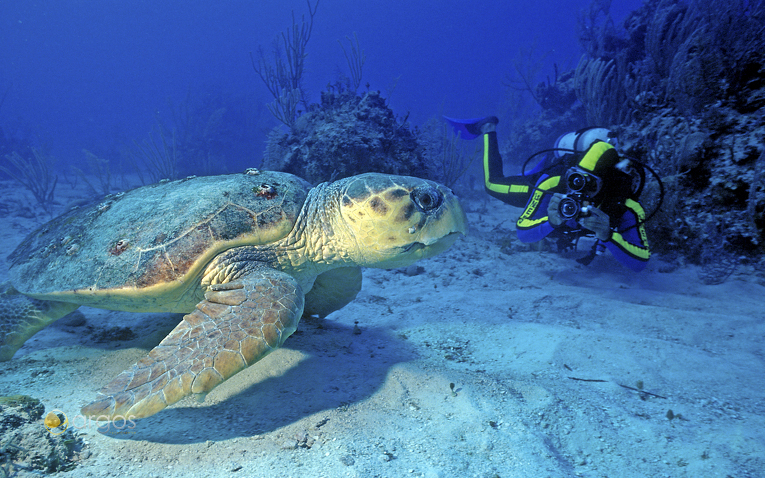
426 199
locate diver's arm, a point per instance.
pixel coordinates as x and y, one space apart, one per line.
513 190
629 243
534 223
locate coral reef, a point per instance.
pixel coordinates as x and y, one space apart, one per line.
207 133
683 84
346 134
34 172
560 113
28 445
447 156
283 74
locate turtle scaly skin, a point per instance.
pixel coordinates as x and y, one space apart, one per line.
244 256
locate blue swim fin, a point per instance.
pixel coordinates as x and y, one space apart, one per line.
470 128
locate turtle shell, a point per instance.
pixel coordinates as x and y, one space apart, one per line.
158 237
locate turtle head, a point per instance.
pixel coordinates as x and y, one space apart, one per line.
397 220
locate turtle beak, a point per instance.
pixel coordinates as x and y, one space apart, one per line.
443 225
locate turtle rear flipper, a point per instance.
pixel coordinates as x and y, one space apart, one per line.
236 325
21 317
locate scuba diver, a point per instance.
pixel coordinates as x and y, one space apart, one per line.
583 188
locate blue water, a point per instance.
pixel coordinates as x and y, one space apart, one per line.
97 74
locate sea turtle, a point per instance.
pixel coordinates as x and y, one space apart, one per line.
243 255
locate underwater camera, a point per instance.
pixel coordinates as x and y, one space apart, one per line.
581 186
570 206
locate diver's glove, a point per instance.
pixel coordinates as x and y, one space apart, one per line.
553 210
596 221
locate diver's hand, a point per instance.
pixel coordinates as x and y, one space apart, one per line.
553 210
596 221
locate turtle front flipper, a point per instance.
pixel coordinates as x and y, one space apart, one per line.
21 317
237 324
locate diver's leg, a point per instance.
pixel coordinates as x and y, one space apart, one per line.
513 190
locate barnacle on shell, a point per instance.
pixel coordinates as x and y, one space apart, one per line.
119 247
104 206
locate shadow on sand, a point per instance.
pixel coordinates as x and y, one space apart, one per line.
337 366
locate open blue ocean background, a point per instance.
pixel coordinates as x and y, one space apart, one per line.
100 75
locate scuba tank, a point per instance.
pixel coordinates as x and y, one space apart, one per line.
580 141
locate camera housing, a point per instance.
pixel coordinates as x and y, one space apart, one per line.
570 207
578 181
581 186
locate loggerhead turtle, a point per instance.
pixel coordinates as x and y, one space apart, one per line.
243 255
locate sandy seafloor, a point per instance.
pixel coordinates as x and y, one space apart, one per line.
366 392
